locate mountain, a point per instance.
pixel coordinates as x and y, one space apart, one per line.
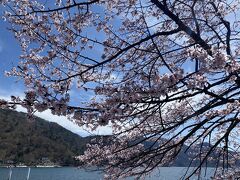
32 142
39 142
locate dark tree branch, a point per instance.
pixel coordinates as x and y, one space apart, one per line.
183 27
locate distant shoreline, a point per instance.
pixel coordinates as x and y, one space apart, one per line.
37 166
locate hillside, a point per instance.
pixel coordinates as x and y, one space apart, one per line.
31 142
38 141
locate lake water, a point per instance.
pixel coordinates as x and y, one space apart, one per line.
70 173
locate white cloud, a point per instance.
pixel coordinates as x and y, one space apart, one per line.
61 120
66 123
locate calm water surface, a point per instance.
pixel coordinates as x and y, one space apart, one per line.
70 173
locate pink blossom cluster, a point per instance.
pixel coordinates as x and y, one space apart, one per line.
158 71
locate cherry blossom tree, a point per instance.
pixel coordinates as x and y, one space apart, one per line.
162 72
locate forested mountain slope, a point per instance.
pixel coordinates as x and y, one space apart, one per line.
29 142
32 142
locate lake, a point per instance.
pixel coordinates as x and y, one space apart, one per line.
71 173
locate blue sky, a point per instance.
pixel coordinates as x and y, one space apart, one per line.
9 53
